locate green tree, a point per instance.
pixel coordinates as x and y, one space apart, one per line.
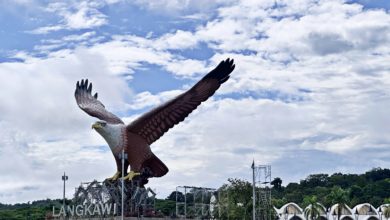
377 174
277 183
356 195
322 192
279 202
313 209
174 194
314 180
167 207
293 193
236 200
338 196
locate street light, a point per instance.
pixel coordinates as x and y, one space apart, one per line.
64 178
123 157
253 191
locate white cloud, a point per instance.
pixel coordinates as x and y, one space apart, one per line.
146 99
45 88
176 7
74 16
85 16
178 40
36 169
316 57
47 29
81 37
42 128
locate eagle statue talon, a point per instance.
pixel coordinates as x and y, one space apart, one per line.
115 177
131 175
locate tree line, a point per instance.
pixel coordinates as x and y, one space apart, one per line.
372 186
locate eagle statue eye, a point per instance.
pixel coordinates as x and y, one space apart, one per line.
103 124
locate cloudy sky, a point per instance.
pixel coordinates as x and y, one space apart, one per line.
310 92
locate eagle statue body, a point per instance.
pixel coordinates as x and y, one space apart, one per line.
136 137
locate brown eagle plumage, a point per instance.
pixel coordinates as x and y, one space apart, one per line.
137 137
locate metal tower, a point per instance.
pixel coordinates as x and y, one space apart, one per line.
262 191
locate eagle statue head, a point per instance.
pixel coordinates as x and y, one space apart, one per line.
112 133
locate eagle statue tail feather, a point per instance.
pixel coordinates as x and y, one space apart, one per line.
157 167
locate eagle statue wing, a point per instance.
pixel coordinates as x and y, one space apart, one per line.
152 125
91 105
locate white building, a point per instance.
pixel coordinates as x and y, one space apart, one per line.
345 213
290 211
322 211
364 211
380 210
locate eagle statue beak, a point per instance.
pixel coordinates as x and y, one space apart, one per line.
96 125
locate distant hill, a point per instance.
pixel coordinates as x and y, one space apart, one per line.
373 187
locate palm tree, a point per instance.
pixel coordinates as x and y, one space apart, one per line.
313 210
338 196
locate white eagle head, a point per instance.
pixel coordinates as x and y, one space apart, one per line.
112 133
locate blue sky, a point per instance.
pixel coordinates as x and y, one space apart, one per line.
309 93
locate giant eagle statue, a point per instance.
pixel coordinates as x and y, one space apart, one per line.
136 137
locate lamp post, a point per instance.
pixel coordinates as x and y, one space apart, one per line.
64 178
253 191
122 156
